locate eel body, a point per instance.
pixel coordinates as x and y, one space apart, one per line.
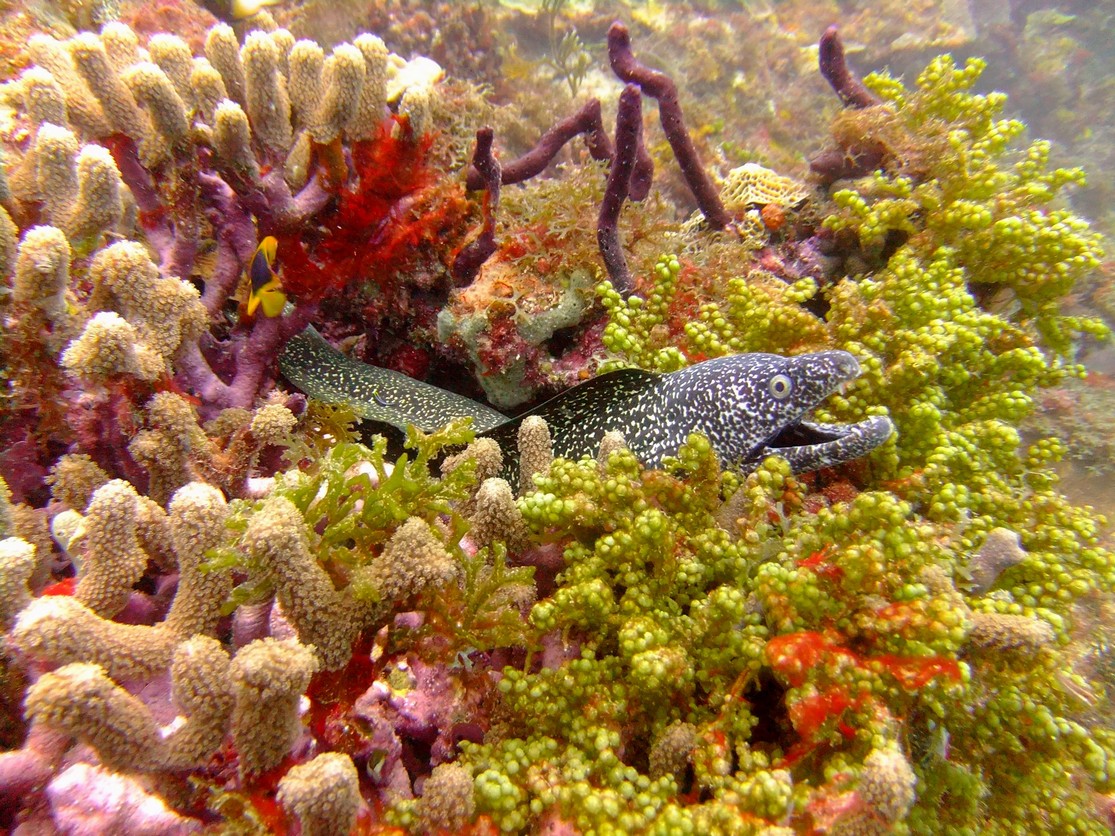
749 405
374 393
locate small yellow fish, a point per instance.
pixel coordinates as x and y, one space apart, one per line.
267 290
241 9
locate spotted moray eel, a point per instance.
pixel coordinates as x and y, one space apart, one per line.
749 405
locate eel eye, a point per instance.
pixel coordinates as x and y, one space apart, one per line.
781 386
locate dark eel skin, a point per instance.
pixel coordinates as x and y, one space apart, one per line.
749 405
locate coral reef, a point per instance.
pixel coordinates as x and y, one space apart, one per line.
228 606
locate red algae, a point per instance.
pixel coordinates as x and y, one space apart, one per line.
62 587
395 210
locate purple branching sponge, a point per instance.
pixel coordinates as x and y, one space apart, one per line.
585 121
661 87
834 67
469 260
629 131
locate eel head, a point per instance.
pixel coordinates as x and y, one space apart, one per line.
756 405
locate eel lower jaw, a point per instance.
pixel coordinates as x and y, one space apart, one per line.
809 445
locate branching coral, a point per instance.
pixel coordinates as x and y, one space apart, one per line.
81 700
61 629
323 793
197 157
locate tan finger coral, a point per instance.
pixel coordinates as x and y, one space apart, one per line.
417 106
55 159
17 562
197 514
307 63
42 271
268 678
82 701
164 311
343 79
323 616
109 347
536 451
267 104
208 88
223 51
121 44
370 111
99 205
323 793
173 56
92 63
43 97
169 444
496 517
447 803
113 561
272 423
413 561
486 453
60 630
154 90
200 678
233 139
83 112
887 783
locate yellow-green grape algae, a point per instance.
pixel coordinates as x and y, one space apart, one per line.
789 645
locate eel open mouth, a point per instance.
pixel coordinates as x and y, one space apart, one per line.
808 445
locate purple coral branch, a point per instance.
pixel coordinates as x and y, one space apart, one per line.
629 130
856 160
269 197
253 355
642 174
288 211
153 215
834 67
585 121
469 260
661 87
171 230
236 241
180 259
28 769
258 353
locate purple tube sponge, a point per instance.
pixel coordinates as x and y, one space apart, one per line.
585 121
629 131
472 257
834 67
661 87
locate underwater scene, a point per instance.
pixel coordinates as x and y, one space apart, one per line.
557 417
